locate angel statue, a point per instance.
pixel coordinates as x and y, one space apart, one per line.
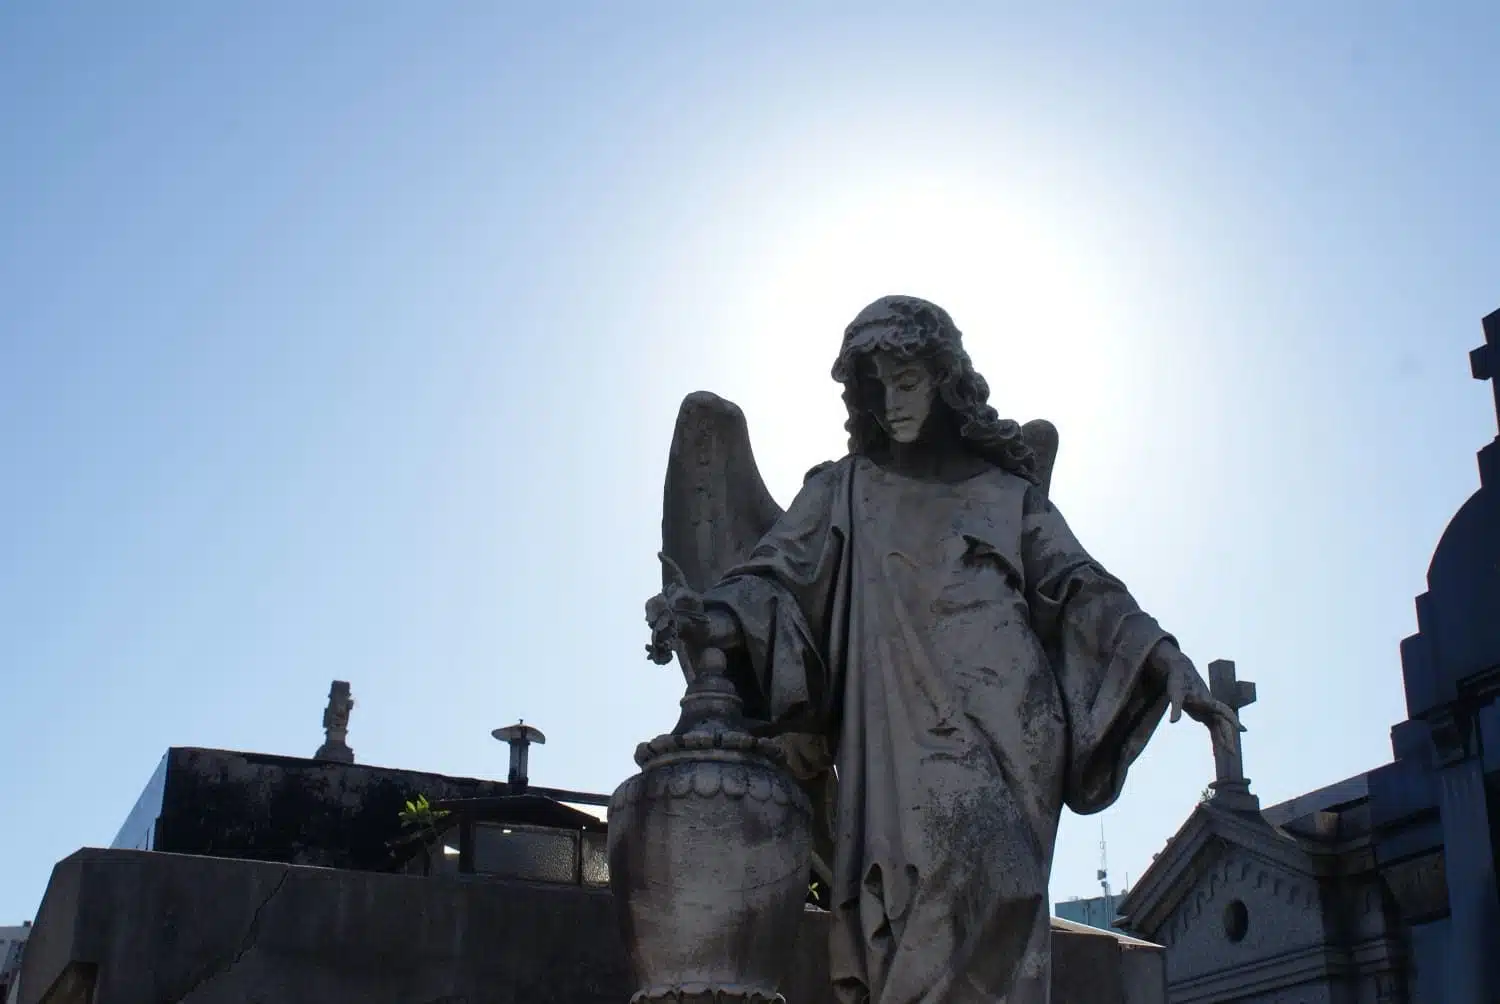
922 627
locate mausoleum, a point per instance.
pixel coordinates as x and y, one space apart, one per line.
1380 888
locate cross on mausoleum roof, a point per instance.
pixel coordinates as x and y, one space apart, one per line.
1231 787
1484 362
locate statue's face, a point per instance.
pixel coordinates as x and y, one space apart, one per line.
909 393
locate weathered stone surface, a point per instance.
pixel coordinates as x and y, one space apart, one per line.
285 809
709 854
135 927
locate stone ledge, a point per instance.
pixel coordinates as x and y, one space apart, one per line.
143 927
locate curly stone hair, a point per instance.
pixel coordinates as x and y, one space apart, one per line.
912 328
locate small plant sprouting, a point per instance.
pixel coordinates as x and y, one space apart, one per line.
419 812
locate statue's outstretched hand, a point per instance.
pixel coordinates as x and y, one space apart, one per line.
1188 692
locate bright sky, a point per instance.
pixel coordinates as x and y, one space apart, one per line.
344 340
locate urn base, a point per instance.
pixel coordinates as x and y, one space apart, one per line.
710 854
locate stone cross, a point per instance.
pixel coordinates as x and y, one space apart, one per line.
336 725
519 738
1231 787
1484 362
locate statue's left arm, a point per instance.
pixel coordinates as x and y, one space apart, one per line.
1104 650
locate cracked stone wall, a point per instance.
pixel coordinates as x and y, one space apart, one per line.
152 928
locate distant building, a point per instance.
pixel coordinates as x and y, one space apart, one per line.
1098 911
12 945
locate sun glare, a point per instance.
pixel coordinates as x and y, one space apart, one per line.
1035 312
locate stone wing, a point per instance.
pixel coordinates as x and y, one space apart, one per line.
1041 436
715 507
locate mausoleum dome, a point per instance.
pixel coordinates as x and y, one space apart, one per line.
1463 582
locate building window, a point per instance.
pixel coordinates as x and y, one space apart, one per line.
1236 921
526 852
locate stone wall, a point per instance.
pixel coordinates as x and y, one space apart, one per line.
284 809
140 927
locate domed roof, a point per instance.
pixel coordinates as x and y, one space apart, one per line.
1461 619
1459 615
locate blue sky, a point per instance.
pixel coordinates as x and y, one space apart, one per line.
344 340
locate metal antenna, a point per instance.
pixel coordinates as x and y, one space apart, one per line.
1103 875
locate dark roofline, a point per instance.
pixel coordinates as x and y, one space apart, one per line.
558 794
1329 798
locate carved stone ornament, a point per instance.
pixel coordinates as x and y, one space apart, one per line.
335 746
709 857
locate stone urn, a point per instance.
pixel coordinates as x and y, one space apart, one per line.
709 854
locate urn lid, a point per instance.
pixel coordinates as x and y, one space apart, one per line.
709 742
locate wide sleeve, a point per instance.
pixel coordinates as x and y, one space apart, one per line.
784 599
1099 641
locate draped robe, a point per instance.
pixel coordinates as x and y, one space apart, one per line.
975 670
